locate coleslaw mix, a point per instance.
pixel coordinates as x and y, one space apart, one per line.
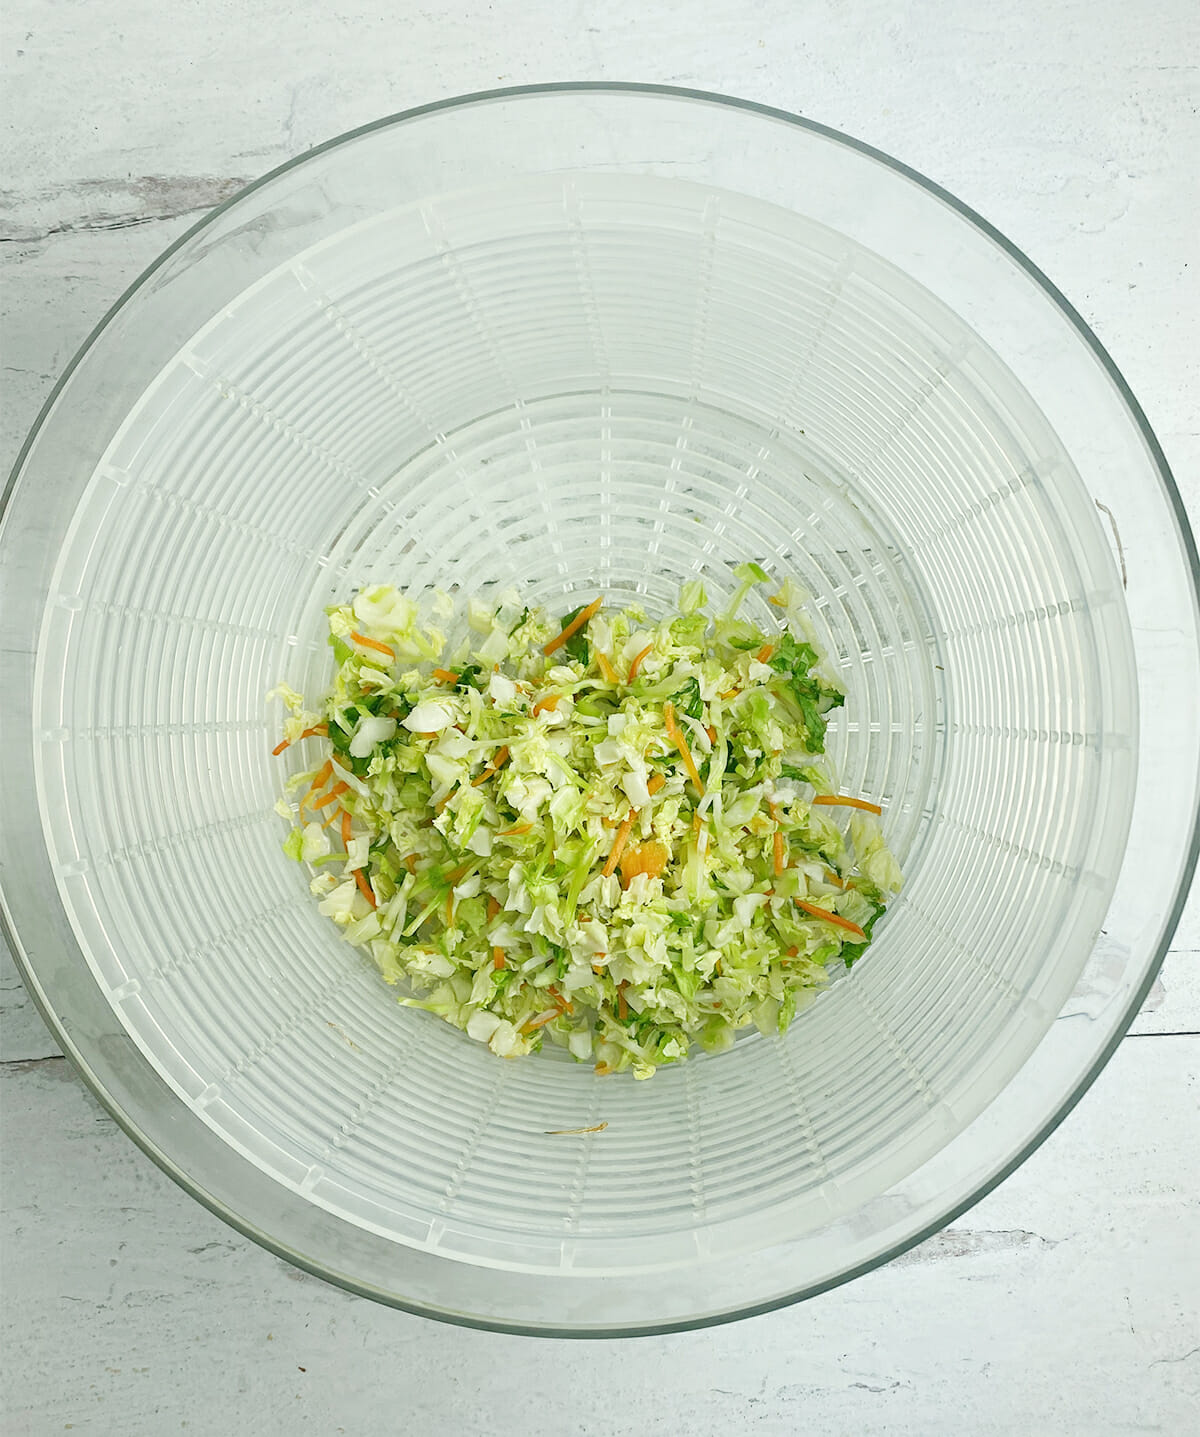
604 833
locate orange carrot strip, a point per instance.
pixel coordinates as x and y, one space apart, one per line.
697 824
730 693
832 877
565 1005
375 644
410 862
334 792
618 847
764 653
497 763
493 908
546 704
777 841
497 957
602 1070
514 832
577 623
637 662
540 1022
675 734
332 819
622 1004
793 952
711 732
777 601
655 782
345 828
445 676
832 800
606 668
320 779
598 967
308 733
367 891
419 734
813 911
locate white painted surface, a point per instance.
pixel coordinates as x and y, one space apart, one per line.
1066 1302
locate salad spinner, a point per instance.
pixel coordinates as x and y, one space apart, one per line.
578 340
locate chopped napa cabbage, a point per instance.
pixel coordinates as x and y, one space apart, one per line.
611 846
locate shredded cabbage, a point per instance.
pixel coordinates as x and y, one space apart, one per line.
541 849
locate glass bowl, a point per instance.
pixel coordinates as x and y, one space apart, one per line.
595 338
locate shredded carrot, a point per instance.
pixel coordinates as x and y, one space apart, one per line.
456 875
332 819
606 669
602 1070
711 732
540 1021
410 862
367 891
764 653
832 877
497 957
374 644
697 824
547 703
445 676
649 858
320 779
608 822
618 847
832 800
793 952
730 693
655 782
493 908
497 763
577 623
308 733
598 968
777 600
675 734
565 1005
637 662
345 829
514 832
334 792
444 800
836 918
777 841
622 1005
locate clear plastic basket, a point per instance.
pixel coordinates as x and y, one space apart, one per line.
595 339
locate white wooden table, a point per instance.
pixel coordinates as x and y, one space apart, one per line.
1066 1302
